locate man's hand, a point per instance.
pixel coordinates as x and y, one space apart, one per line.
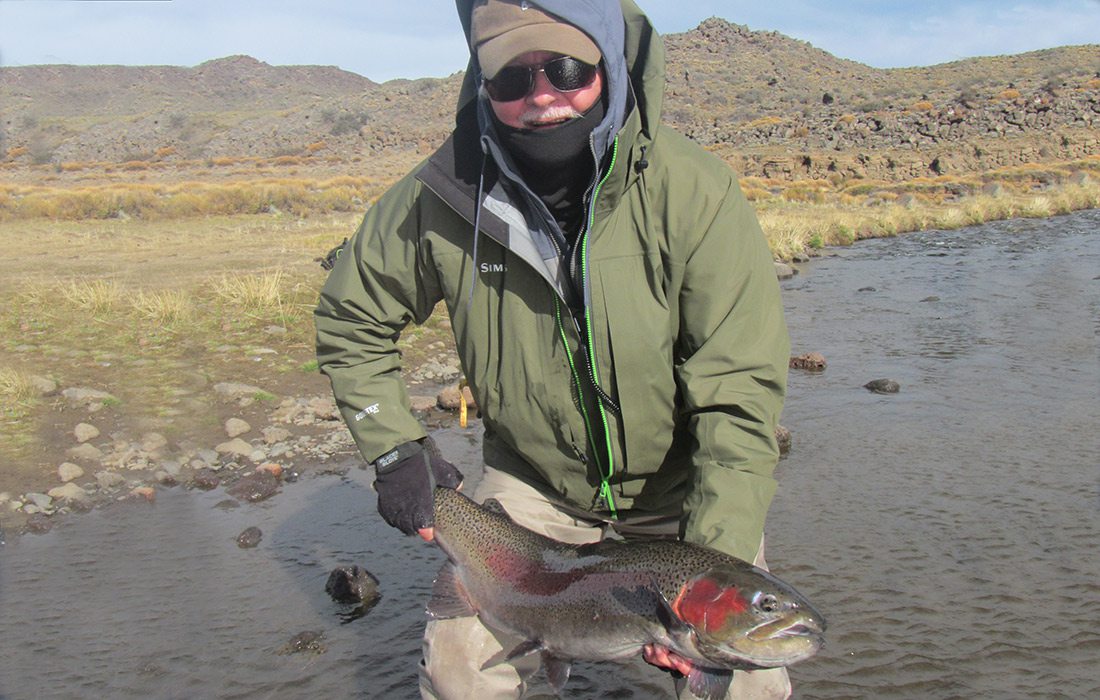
663 657
405 479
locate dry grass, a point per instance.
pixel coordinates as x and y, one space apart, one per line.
170 308
794 229
16 388
94 297
299 197
149 311
257 295
802 216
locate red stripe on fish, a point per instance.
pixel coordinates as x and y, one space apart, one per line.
527 576
707 606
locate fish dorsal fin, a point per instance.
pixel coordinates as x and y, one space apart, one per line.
493 506
448 597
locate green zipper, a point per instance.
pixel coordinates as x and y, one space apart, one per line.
605 486
605 474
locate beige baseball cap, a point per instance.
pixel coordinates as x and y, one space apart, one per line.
503 29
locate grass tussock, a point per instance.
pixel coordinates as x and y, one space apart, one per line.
167 307
256 295
15 386
17 393
95 297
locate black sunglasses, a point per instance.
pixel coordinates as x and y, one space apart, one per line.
566 74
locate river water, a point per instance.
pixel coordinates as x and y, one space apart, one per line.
949 532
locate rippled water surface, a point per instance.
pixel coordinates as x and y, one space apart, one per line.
949 532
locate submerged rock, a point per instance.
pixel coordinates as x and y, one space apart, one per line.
255 487
250 537
352 584
205 479
38 524
811 361
307 641
783 438
883 386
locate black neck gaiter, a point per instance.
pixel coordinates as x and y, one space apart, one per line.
557 164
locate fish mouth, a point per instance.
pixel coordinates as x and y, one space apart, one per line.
808 629
780 643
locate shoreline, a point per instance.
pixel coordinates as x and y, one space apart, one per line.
798 232
304 438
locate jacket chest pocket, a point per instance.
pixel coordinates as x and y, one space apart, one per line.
636 357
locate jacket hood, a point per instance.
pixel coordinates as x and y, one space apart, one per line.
633 57
633 62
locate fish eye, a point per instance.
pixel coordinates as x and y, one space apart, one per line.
767 602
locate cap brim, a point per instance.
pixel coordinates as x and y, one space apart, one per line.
557 38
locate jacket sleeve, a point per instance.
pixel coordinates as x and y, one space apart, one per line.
733 376
377 286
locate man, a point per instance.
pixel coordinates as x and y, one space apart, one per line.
614 305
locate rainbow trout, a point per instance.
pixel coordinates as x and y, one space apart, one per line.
605 601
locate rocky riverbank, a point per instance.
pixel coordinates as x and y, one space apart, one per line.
254 453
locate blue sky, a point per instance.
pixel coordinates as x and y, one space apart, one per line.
384 39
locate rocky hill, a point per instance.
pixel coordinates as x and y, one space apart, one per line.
773 106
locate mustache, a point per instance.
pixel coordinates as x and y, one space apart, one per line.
536 116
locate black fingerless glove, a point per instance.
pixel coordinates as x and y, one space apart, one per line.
405 479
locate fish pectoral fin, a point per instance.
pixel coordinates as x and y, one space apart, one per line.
524 649
557 671
448 597
709 683
667 616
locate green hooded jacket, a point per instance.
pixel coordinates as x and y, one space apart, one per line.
651 383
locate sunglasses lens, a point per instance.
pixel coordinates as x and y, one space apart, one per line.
568 74
510 83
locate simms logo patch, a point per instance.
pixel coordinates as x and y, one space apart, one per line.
493 267
371 410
